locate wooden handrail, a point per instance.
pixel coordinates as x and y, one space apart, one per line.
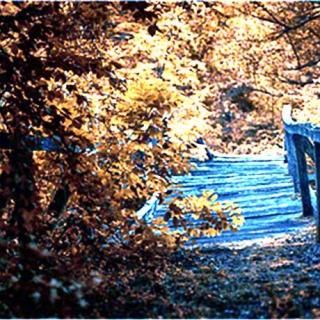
48 144
307 130
302 139
53 144
147 211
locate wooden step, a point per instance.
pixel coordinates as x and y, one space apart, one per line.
259 185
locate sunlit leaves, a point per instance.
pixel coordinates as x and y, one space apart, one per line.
197 216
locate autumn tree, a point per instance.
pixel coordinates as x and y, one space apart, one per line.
103 88
118 93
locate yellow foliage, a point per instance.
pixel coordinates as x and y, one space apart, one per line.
210 217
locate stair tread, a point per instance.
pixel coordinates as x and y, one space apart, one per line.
259 185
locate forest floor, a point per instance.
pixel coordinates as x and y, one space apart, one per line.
279 278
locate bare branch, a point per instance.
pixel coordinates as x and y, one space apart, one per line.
306 65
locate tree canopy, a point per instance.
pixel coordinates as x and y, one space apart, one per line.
124 90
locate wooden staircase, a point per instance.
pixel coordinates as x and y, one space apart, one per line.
260 185
264 187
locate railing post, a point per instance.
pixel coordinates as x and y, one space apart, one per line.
303 175
292 161
317 163
59 202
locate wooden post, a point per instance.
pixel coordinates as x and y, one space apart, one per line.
59 202
317 163
303 175
292 161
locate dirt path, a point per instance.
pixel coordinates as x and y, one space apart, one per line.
276 279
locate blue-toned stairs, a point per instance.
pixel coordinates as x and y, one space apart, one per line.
260 185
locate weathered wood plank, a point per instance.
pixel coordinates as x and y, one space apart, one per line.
239 181
148 210
241 165
242 157
226 170
292 160
242 190
257 199
303 176
317 162
247 160
244 175
309 148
